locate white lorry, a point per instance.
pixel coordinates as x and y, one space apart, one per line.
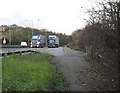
38 41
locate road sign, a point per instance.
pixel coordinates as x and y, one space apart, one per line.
4 41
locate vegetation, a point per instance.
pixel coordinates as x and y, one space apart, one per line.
100 36
18 34
31 72
0 74
99 39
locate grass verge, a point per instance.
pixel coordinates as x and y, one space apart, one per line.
31 72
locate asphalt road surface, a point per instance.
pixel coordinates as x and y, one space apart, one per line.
80 74
71 63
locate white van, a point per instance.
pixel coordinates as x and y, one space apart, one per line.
23 44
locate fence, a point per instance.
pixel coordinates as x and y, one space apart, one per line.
10 46
17 52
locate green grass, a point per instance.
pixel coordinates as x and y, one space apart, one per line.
31 72
0 74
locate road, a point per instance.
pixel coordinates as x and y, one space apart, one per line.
71 64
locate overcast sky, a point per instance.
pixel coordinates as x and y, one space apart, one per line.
61 16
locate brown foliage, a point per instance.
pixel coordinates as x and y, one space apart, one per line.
100 37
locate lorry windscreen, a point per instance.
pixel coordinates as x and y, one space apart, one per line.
51 38
51 41
34 40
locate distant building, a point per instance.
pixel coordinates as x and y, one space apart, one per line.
2 28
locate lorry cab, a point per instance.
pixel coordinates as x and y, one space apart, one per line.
38 41
35 41
53 41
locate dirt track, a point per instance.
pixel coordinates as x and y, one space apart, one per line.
78 73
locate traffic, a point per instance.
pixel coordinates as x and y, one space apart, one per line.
40 41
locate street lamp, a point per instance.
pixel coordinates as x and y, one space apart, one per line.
9 36
32 25
32 28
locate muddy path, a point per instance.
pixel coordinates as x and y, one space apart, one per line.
78 73
71 64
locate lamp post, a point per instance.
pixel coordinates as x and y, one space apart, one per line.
9 36
32 26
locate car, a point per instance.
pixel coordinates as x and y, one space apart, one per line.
23 44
